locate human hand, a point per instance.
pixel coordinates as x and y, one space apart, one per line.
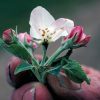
53 89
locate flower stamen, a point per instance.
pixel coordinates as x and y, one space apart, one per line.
48 34
43 32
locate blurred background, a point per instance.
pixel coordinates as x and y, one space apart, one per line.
83 12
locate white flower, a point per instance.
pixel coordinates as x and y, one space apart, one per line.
44 28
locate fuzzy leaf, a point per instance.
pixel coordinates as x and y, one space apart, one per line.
75 72
23 67
19 51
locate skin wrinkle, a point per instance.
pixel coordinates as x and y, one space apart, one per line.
42 92
10 75
24 94
21 93
9 71
33 93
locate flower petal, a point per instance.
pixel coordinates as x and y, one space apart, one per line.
78 30
85 39
63 23
83 36
40 18
59 34
35 34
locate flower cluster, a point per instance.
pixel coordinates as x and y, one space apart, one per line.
44 29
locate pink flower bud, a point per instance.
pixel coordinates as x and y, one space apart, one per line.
80 38
7 35
35 45
78 31
38 57
85 39
24 37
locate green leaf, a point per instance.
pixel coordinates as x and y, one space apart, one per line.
1 42
55 71
75 72
64 61
65 46
44 50
23 67
18 51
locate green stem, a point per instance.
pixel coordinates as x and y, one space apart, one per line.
34 61
63 47
36 73
65 56
44 50
54 56
69 53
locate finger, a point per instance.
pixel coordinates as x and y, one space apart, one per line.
72 91
32 91
62 92
12 64
92 91
21 78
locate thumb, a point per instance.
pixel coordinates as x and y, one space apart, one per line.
32 91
